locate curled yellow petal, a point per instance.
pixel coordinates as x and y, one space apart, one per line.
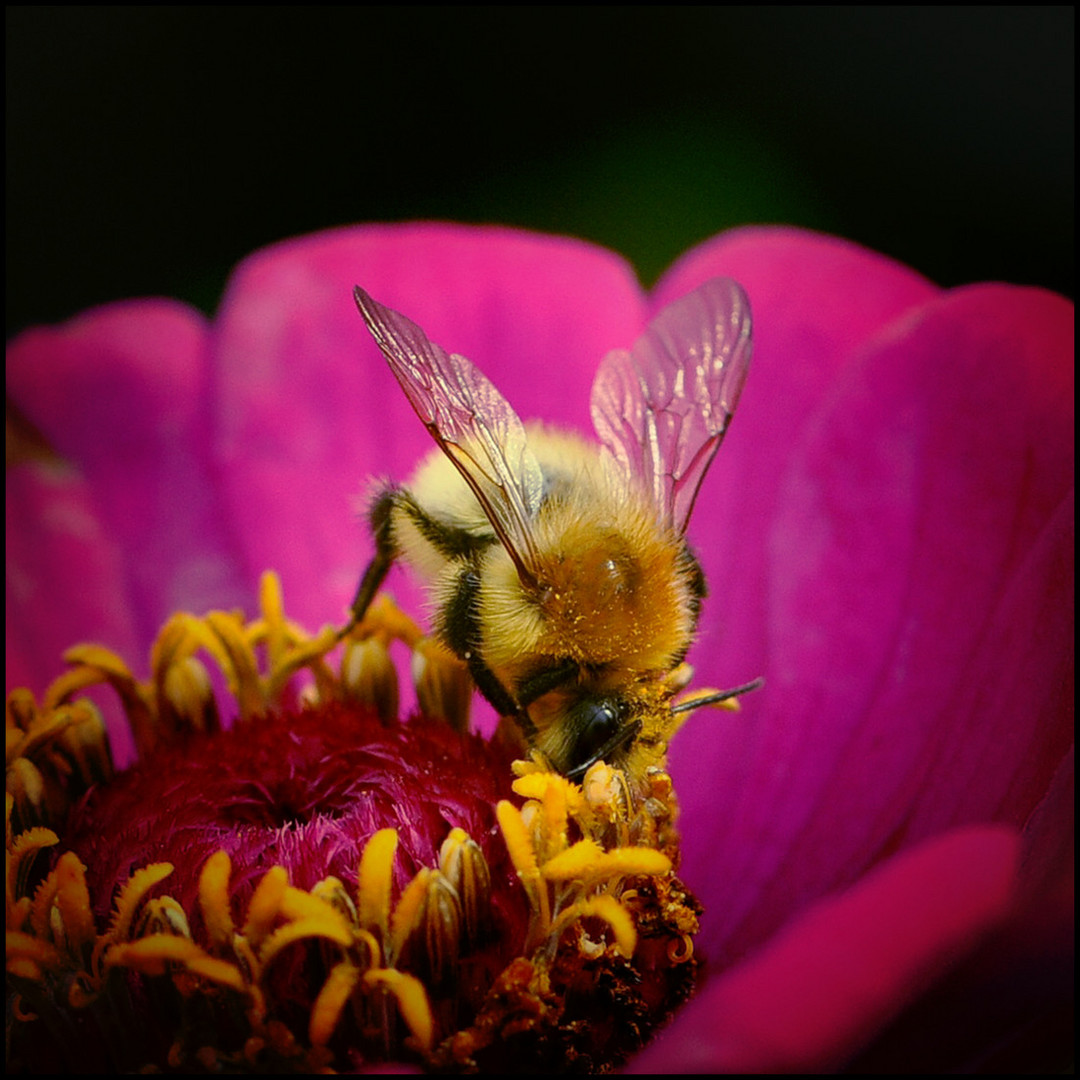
297 658
587 862
26 788
214 898
300 929
152 956
576 863
105 660
628 861
374 878
537 785
517 839
443 686
135 888
265 904
408 910
411 999
73 903
173 643
611 911
519 845
335 992
30 954
297 904
273 608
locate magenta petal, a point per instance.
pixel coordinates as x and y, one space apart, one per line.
121 393
64 577
920 591
829 981
1008 1007
815 300
310 412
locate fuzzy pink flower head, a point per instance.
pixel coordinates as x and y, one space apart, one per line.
882 837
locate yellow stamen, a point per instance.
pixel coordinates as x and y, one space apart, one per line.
304 655
629 862
21 852
433 946
465 867
368 676
163 915
239 666
443 687
518 842
386 621
555 819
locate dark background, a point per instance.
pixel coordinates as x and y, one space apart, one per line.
149 149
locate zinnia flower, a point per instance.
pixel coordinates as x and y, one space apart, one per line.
881 839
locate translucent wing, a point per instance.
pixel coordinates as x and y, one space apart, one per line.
472 422
661 409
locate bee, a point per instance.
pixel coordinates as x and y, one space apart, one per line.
559 568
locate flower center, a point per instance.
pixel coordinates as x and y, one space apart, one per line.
322 885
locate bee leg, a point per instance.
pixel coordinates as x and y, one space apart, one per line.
385 553
498 696
461 629
539 683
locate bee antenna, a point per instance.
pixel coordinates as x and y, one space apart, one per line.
720 695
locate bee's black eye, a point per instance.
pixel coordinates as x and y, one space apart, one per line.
602 727
598 730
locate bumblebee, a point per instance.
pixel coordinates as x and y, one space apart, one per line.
559 568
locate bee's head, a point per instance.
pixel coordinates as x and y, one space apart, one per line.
588 728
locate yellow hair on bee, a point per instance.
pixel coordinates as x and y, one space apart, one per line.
613 584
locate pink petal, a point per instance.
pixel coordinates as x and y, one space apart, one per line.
1009 1006
64 575
821 989
815 300
310 413
920 585
121 392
